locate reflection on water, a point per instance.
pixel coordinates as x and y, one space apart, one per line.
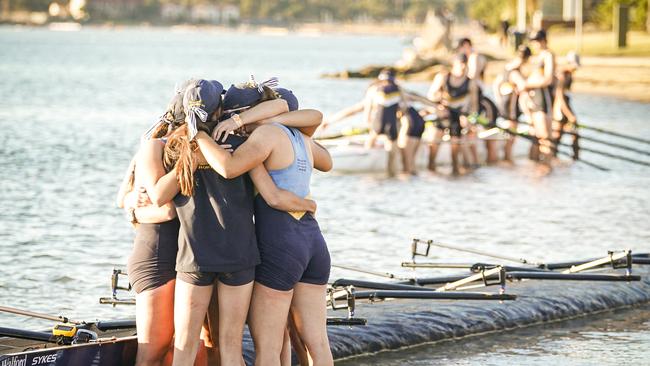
620 337
72 106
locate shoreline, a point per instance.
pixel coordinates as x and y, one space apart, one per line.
625 77
368 29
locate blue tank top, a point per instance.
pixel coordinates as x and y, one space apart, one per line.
296 177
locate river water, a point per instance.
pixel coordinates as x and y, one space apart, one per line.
72 106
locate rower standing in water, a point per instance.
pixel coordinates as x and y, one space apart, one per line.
458 96
409 131
507 89
476 63
415 125
540 73
381 106
563 117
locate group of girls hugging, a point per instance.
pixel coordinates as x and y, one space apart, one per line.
219 194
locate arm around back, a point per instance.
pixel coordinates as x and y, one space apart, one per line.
249 155
278 198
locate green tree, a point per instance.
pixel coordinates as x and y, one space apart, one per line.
603 12
491 11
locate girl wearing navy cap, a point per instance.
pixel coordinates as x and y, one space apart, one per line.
295 261
153 258
217 244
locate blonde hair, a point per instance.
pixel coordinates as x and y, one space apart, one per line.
178 155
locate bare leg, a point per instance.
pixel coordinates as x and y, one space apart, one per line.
310 315
190 306
155 335
433 149
210 332
576 144
542 127
455 151
298 344
492 153
233 308
557 132
268 322
410 153
372 138
393 152
471 143
507 149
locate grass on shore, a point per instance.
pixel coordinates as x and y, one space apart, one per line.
601 44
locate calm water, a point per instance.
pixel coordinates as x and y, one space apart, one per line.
72 106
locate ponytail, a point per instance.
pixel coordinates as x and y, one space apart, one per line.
179 155
160 131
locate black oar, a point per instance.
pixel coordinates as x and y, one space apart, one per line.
593 139
571 276
431 295
27 334
130 323
610 155
583 161
535 141
613 133
342 282
612 144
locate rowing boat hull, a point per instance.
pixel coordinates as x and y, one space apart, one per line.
116 346
396 324
350 155
111 352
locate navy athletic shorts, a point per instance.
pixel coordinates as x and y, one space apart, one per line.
227 278
291 250
416 123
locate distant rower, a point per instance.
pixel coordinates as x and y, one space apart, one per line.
458 96
381 106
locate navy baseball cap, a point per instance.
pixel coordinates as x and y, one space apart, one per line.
240 96
538 35
200 100
289 97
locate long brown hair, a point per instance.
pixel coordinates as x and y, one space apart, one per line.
179 156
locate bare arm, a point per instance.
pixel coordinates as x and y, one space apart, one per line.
249 155
436 87
368 105
153 214
322 157
306 120
474 97
564 107
261 111
161 187
126 185
278 198
345 113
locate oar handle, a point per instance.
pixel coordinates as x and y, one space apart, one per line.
31 314
613 133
